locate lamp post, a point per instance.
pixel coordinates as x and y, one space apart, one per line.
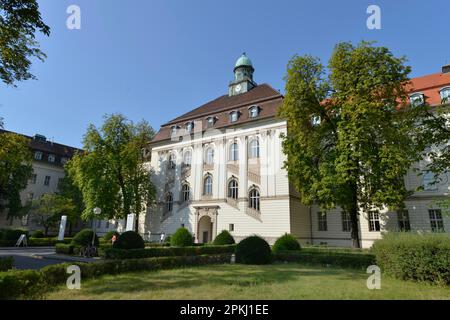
97 212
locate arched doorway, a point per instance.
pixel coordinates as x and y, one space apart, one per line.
205 229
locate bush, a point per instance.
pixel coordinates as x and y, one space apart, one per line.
84 238
21 284
253 250
182 238
166 252
38 234
47 242
415 257
129 240
6 263
12 234
224 238
108 236
30 284
286 242
62 248
325 258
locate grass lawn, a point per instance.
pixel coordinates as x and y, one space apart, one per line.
223 282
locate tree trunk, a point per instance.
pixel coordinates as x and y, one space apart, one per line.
354 218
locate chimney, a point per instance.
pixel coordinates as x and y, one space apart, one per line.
446 68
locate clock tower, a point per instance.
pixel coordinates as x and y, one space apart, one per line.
243 76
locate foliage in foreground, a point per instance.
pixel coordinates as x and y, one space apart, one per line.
411 256
253 250
224 238
32 284
6 263
182 238
286 242
129 240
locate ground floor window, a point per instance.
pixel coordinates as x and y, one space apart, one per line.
403 220
436 221
322 221
346 221
231 227
374 221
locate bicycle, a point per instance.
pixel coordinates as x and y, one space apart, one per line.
88 252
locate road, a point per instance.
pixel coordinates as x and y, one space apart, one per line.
37 258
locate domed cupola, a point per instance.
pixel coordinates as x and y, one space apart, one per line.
243 76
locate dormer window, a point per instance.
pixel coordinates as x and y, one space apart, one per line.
254 111
315 121
38 155
234 116
210 121
189 127
64 160
174 130
417 99
445 95
51 158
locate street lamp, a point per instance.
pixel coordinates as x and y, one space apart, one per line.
97 212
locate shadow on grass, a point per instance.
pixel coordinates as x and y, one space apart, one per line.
216 275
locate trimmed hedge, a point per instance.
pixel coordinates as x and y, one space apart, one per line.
38 234
338 259
253 250
224 238
411 256
47 242
84 238
182 238
286 242
166 252
6 263
31 284
129 240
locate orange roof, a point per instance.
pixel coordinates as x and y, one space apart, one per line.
430 86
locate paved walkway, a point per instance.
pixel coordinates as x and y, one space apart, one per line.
38 257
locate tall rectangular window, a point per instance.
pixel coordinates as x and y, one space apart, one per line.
47 181
436 221
403 220
346 222
322 221
33 178
231 227
374 221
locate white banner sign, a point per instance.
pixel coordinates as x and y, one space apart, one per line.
130 222
62 228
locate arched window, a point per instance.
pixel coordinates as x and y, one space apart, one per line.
234 152
416 99
234 116
254 149
189 126
254 199
169 202
207 185
187 158
186 192
209 156
233 189
445 95
172 161
253 111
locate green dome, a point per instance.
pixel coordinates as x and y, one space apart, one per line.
243 61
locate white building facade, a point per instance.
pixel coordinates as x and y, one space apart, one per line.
220 167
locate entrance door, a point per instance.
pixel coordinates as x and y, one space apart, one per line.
205 237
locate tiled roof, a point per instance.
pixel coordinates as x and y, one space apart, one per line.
430 86
267 98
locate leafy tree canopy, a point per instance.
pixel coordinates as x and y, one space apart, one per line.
351 136
111 173
19 22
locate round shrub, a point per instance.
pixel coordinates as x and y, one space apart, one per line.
286 242
253 250
38 234
84 238
223 238
129 240
108 236
182 238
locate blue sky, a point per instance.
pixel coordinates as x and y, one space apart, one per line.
156 59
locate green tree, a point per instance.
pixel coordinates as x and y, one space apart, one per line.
69 191
19 22
15 171
350 140
111 173
47 210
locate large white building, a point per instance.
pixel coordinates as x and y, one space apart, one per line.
220 167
